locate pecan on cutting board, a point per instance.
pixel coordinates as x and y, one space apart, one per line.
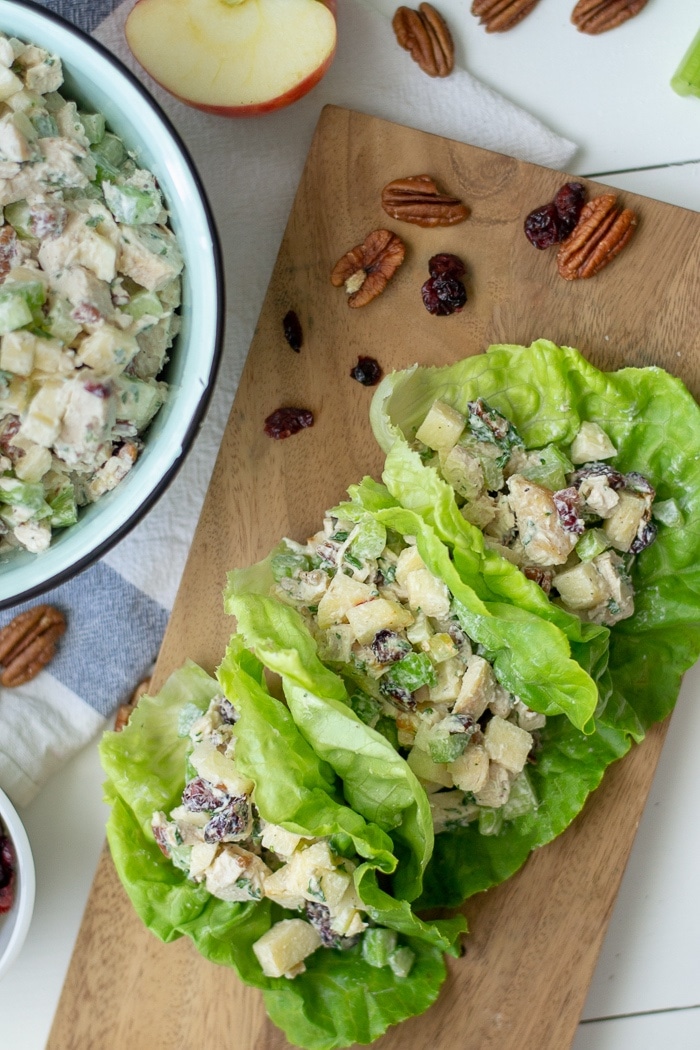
416 199
28 643
368 267
597 16
424 34
497 16
601 233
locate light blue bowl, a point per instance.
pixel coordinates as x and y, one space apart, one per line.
100 82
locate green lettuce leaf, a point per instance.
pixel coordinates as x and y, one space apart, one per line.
546 391
340 999
376 781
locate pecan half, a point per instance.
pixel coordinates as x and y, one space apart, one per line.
601 233
366 269
125 711
28 642
417 199
597 16
425 35
499 15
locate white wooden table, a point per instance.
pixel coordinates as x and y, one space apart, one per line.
611 95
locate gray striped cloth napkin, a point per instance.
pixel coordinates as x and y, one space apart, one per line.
117 610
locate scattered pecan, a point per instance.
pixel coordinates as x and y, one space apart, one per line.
499 15
602 231
424 34
597 16
367 268
417 199
28 642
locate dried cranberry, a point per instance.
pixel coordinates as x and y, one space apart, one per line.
542 226
229 822
446 265
644 538
398 694
468 721
7 874
443 296
638 483
228 712
200 796
367 371
101 390
320 918
616 480
389 647
568 203
292 330
284 422
542 577
567 503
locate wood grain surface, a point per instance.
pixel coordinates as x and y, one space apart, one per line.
534 941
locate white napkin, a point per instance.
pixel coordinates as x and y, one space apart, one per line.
250 169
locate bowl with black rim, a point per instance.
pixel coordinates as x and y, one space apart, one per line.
17 883
98 82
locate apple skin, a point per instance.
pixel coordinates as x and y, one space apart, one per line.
293 95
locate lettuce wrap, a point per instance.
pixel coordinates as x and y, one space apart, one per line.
581 734
546 392
340 998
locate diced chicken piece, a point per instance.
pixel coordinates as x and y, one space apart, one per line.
527 719
87 420
471 770
542 535
343 593
236 875
623 523
80 244
479 689
45 75
507 744
376 615
590 444
502 524
619 602
35 536
442 427
108 350
480 511
285 946
428 593
496 790
58 169
449 810
150 256
307 588
598 496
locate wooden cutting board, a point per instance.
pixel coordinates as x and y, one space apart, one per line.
534 941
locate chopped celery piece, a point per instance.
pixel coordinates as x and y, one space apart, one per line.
447 747
45 125
401 960
370 540
59 322
591 544
93 126
14 312
686 79
24 494
137 400
287 563
112 149
490 821
551 468
131 204
17 215
377 945
142 304
33 293
64 510
668 513
410 673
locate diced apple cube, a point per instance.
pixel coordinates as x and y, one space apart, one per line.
108 350
463 471
35 462
478 689
334 885
426 592
409 561
343 593
591 443
442 427
622 525
42 422
335 644
17 352
202 855
449 681
285 945
428 771
217 769
507 744
480 511
9 83
581 587
280 841
471 769
377 615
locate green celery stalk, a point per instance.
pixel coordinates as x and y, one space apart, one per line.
686 79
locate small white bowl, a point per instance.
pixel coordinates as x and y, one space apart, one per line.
14 924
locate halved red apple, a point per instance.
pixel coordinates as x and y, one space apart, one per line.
236 58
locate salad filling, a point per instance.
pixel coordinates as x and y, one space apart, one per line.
217 837
89 291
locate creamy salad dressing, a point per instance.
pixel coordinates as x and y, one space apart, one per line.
89 292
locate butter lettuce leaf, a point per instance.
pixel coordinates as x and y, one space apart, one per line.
340 999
